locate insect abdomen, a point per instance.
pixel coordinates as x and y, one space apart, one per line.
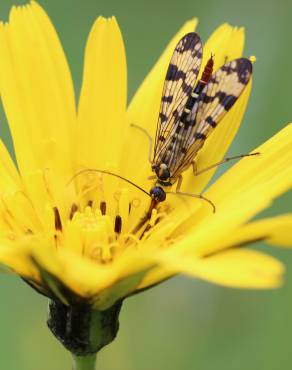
182 130
206 75
208 70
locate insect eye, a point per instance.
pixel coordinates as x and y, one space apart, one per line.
158 194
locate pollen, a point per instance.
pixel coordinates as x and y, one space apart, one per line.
253 58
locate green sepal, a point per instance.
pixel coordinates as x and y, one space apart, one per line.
118 291
81 329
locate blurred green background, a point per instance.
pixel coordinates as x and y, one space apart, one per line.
182 324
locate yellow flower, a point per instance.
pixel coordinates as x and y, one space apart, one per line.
72 233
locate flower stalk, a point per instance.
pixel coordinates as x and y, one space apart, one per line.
84 362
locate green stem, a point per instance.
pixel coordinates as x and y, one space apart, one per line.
84 362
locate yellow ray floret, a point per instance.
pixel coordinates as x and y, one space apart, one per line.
102 105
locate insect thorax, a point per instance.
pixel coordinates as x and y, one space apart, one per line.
163 174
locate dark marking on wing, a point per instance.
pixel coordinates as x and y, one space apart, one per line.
199 135
167 99
180 79
210 121
175 74
163 117
216 99
187 89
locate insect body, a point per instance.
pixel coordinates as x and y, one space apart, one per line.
190 111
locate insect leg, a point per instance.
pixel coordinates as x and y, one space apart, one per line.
195 168
225 160
149 138
199 196
179 182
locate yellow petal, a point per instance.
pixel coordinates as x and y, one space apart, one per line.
275 230
17 212
102 106
18 260
87 277
225 43
247 188
238 268
265 174
10 181
9 178
37 94
143 111
20 211
36 87
155 276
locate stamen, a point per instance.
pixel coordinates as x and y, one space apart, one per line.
102 207
118 224
58 222
99 227
74 209
153 217
129 236
136 202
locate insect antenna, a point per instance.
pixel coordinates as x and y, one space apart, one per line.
108 173
224 160
145 132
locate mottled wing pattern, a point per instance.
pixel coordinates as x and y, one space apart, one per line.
180 79
216 99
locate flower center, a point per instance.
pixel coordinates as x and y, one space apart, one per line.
102 222
93 233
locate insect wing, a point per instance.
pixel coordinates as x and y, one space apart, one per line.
180 79
216 99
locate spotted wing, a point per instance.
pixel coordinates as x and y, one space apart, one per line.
216 99
180 79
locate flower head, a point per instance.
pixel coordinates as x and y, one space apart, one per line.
72 228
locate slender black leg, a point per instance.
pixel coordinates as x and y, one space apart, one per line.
198 196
